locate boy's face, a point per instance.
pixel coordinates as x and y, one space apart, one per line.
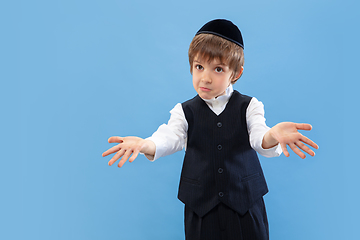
210 79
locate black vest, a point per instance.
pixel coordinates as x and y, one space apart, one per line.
219 164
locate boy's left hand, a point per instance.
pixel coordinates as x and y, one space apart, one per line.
286 133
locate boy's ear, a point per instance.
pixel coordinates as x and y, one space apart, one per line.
241 71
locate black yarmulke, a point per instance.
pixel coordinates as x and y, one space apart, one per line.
225 29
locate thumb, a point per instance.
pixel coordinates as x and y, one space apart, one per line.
303 126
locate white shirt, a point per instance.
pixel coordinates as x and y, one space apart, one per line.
171 137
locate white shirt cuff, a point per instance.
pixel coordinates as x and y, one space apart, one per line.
269 152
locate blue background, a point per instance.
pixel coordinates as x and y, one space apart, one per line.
74 73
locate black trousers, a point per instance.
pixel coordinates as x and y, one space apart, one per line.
223 223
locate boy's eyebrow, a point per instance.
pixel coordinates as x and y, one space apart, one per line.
221 63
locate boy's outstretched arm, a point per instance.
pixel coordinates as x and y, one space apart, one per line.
286 133
129 146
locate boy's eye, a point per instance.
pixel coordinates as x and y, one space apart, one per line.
199 67
218 69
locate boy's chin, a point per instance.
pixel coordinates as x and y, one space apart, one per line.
205 96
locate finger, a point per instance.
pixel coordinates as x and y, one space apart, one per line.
305 148
297 150
115 139
134 155
284 149
116 157
303 126
309 142
125 157
111 150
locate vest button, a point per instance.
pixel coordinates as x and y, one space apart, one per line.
220 170
219 147
221 194
219 124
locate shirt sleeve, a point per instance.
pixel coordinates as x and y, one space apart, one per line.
257 128
171 137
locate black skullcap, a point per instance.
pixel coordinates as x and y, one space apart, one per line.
225 29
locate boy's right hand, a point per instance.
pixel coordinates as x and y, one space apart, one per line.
128 146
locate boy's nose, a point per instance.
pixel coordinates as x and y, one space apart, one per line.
205 77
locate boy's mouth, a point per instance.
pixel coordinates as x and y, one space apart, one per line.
204 89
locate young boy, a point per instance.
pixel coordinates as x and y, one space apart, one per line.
222 184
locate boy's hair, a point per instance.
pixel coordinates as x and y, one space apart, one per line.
210 47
